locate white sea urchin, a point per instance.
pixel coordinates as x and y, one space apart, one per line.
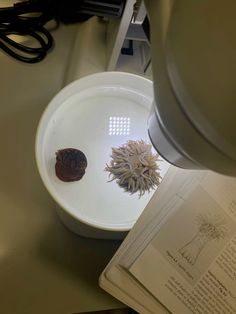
134 167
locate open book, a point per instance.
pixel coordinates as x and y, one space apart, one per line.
180 257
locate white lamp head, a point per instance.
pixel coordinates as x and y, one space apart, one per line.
192 124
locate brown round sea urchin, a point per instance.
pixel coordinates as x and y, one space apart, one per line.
70 164
134 167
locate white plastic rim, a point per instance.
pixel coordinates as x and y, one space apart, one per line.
94 114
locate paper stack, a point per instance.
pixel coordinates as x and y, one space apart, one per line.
180 257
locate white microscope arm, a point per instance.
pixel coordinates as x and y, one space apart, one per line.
192 123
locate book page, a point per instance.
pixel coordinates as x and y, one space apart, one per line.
119 283
190 264
176 184
162 206
115 279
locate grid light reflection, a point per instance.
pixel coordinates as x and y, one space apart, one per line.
119 126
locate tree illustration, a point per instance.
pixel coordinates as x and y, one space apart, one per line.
210 228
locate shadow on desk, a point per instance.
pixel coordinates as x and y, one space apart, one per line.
118 311
71 253
45 268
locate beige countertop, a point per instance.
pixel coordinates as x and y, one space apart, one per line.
44 268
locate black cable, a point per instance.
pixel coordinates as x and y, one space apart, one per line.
36 54
14 21
28 18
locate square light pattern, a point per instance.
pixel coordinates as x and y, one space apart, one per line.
119 126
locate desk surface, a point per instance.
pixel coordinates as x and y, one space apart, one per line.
44 268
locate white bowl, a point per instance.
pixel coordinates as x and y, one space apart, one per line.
81 116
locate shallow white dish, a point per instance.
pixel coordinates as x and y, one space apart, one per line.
94 114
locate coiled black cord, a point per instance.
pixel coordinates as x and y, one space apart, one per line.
16 21
29 17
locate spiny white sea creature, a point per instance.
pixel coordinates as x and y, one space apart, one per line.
134 167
